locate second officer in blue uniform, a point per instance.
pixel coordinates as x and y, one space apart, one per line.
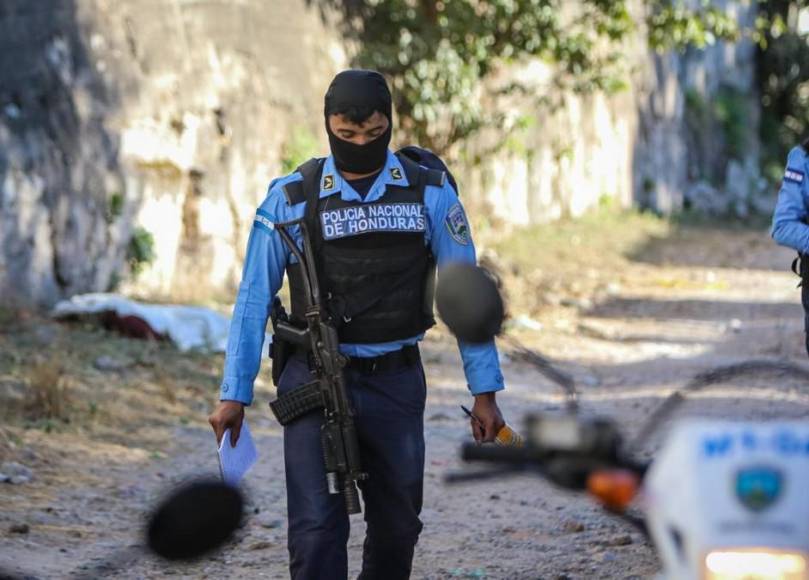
383 222
790 224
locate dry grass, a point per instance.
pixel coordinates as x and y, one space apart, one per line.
543 266
63 392
47 393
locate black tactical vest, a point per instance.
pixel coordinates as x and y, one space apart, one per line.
805 146
376 273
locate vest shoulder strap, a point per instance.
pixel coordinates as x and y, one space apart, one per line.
311 171
420 176
436 177
805 146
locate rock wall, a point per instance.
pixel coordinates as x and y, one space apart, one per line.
634 148
171 116
167 115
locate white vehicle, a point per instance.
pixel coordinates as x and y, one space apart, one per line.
729 500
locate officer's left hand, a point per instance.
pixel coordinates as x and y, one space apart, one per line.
490 420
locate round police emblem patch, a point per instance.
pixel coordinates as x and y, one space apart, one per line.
456 224
758 487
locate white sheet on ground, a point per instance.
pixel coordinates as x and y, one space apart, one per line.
188 327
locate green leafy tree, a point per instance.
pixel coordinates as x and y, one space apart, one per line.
783 74
436 53
675 26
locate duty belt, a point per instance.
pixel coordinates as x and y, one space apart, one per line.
407 356
306 398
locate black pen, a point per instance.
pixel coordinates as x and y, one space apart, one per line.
473 416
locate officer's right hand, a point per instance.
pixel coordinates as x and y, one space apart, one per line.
227 415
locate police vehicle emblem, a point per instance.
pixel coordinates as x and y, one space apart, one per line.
456 224
758 487
395 173
328 182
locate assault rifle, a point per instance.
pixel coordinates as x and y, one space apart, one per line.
319 339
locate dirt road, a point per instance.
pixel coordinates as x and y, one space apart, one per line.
670 312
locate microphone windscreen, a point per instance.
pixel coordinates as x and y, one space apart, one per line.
194 520
469 302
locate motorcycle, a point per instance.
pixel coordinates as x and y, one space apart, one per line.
720 500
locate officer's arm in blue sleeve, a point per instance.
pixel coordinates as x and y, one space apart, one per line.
789 226
451 241
262 277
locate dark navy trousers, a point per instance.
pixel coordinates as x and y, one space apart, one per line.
389 416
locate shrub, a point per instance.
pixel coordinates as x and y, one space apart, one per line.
47 391
141 251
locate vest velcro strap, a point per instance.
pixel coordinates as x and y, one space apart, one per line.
297 403
436 178
413 170
294 193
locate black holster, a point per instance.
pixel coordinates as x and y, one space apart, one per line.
280 349
801 267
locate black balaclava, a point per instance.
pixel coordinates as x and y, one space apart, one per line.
359 88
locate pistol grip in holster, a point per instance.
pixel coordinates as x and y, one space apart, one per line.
800 266
279 354
280 350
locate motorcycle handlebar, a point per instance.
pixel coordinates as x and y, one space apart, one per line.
522 456
493 453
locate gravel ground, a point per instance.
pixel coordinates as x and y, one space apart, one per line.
84 508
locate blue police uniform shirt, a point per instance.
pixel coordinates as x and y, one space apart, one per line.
446 230
363 185
789 226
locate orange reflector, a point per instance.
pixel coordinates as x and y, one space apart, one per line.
615 488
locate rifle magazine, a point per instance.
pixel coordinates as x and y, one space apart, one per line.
298 402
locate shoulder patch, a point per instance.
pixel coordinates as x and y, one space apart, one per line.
456 224
264 220
794 176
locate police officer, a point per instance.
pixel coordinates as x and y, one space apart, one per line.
789 223
380 221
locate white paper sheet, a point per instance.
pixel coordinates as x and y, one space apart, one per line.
235 462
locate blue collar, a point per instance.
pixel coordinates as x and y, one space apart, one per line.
332 181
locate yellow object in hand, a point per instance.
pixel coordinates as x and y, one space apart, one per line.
508 437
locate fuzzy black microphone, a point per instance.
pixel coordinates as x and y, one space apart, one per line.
469 302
